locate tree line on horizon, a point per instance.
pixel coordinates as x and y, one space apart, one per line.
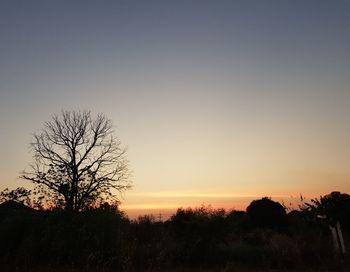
103 238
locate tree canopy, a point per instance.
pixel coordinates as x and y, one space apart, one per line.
334 207
266 213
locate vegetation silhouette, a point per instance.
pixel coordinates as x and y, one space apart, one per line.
103 238
333 207
78 161
18 195
266 213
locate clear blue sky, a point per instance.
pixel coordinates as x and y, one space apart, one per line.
230 98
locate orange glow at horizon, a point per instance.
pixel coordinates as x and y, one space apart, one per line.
167 203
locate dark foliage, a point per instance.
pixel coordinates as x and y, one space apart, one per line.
20 195
199 235
332 207
104 239
266 213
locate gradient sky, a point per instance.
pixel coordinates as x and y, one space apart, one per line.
218 101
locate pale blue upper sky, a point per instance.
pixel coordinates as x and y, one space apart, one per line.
241 97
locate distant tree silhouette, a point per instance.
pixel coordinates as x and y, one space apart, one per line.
77 161
266 213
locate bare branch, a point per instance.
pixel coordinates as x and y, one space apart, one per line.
78 159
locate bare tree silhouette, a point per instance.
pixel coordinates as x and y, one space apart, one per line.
78 161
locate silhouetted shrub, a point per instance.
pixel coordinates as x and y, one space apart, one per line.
104 239
198 234
266 213
89 238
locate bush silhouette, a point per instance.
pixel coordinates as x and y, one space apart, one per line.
266 213
198 234
104 239
334 206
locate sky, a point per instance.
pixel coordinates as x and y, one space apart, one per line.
219 102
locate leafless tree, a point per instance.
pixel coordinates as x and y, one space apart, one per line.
78 161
